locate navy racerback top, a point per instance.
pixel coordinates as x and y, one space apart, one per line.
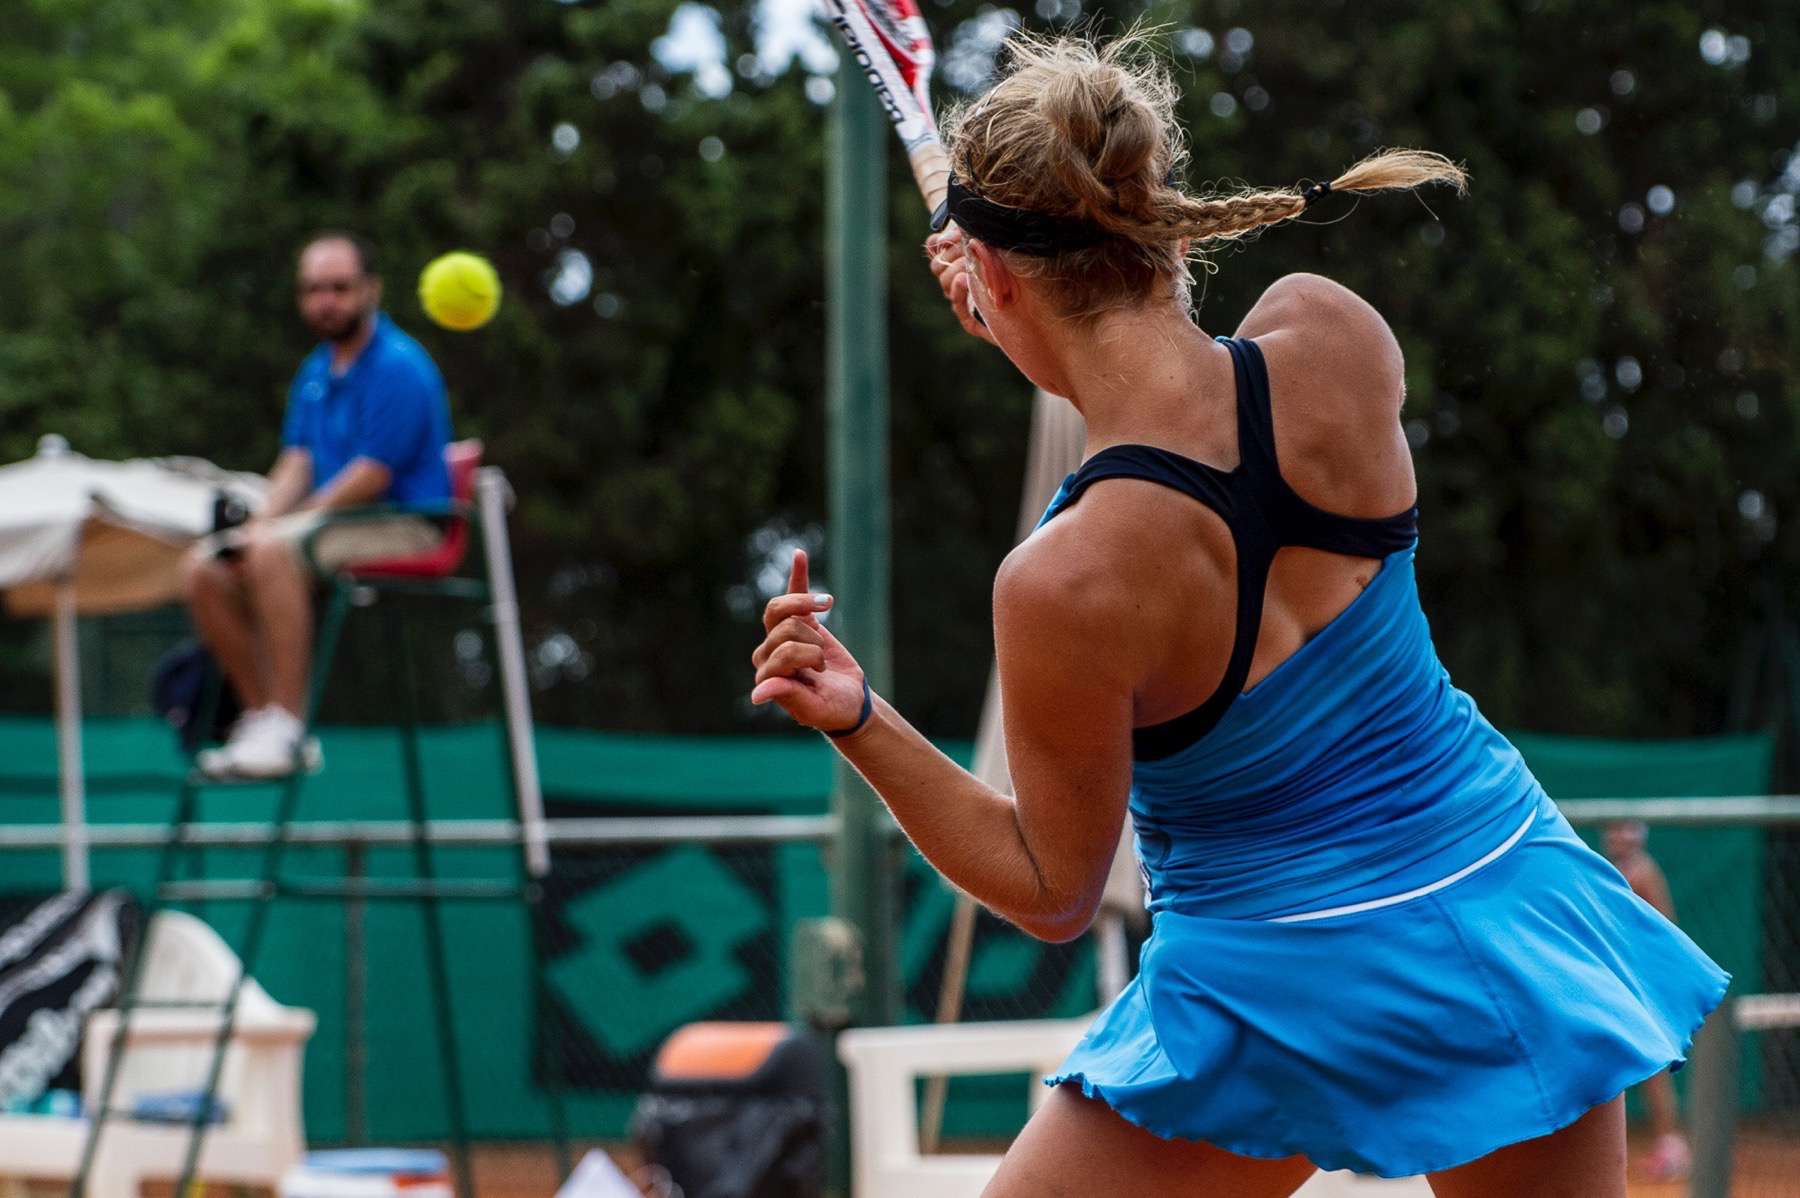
1354 770
1263 513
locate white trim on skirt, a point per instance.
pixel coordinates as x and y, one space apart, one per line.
1374 904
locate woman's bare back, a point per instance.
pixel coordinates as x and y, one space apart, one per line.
1335 375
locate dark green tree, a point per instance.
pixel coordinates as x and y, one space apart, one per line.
1598 337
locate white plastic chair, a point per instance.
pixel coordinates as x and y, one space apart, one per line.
171 1049
883 1063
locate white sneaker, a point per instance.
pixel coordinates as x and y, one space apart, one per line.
270 742
216 763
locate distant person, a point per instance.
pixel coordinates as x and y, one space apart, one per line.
367 422
1669 1158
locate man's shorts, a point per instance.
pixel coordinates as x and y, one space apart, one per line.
344 543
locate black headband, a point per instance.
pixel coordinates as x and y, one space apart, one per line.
1034 233
1018 229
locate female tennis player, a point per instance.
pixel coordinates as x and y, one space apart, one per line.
1376 944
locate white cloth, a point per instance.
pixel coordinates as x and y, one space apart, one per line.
118 529
347 543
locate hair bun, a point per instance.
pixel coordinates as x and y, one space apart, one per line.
1104 132
1133 136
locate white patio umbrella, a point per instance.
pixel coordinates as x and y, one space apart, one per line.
86 537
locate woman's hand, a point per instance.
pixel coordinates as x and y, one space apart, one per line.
800 665
948 252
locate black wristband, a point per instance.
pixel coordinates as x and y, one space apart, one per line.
868 709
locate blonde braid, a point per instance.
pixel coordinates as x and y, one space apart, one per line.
1086 131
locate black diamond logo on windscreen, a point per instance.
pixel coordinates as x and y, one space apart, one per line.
660 946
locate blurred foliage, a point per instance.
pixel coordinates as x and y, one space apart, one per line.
1600 390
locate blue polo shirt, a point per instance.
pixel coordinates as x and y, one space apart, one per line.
388 406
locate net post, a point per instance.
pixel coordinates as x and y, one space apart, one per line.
1713 1102
858 549
857 445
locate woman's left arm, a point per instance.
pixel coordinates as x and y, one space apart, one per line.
1039 859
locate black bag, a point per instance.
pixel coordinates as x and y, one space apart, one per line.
756 1134
183 683
61 957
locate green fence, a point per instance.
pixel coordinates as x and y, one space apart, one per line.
644 940
1724 893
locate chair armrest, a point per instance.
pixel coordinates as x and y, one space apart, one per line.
884 1063
959 1048
153 1025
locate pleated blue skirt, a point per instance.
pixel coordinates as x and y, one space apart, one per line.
1413 1037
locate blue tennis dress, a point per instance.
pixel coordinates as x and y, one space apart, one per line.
1375 941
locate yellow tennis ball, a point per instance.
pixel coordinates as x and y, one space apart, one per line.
460 290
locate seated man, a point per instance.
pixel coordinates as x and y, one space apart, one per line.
367 422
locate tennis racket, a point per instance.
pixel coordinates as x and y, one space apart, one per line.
890 42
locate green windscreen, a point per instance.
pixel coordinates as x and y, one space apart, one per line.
642 941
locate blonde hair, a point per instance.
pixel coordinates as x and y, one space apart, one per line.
1082 130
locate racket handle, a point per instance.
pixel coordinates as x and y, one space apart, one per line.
931 171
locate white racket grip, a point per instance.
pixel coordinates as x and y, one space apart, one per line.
931 171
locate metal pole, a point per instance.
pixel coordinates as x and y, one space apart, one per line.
1713 1100
959 946
491 493
857 445
1112 956
528 797
599 831
437 957
356 982
68 739
857 553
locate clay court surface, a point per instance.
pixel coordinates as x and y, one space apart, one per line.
1767 1166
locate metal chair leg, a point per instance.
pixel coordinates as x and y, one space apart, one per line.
273 852
131 978
437 960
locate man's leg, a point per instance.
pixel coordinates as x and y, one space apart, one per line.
279 595
221 612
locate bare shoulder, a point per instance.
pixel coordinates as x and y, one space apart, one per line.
1318 304
1059 582
1321 330
1099 581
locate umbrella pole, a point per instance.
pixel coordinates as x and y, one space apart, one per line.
68 740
